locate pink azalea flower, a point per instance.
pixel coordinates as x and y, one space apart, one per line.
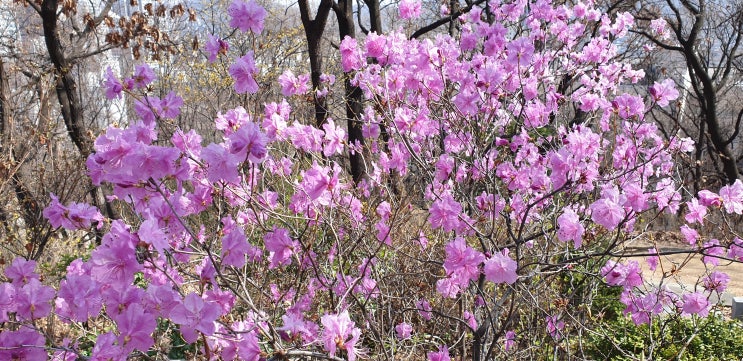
409 9
339 333
696 212
247 16
143 76
501 268
663 92
570 228
248 348
555 327
72 217
334 138
151 233
618 274
652 260
520 52
221 164
243 71
510 340
441 355
403 330
712 251
424 309
608 211
295 324
281 246
21 271
695 303
82 297
351 58
249 142
659 28
24 344
195 315
716 281
444 213
234 244
732 197
106 349
135 329
292 84
462 262
628 106
215 46
112 85
33 300
7 301
709 199
690 234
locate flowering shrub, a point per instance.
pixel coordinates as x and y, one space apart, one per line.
523 158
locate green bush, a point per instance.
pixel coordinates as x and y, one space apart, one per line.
615 337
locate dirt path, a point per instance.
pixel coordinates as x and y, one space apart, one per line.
691 268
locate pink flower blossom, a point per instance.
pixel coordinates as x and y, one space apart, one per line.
23 344
501 268
555 326
709 199
608 211
732 197
33 300
143 76
21 271
281 246
72 217
441 355
663 92
659 28
82 297
247 16
334 139
424 309
135 328
444 213
716 281
7 301
292 84
652 260
195 315
234 244
339 333
243 71
509 340
215 46
690 234
351 58
570 228
409 9
695 304
696 212
626 275
249 142
628 106
403 330
112 85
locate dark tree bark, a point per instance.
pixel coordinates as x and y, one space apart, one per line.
69 101
313 31
346 27
695 33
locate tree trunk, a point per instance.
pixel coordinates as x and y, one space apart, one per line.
69 101
313 31
346 27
